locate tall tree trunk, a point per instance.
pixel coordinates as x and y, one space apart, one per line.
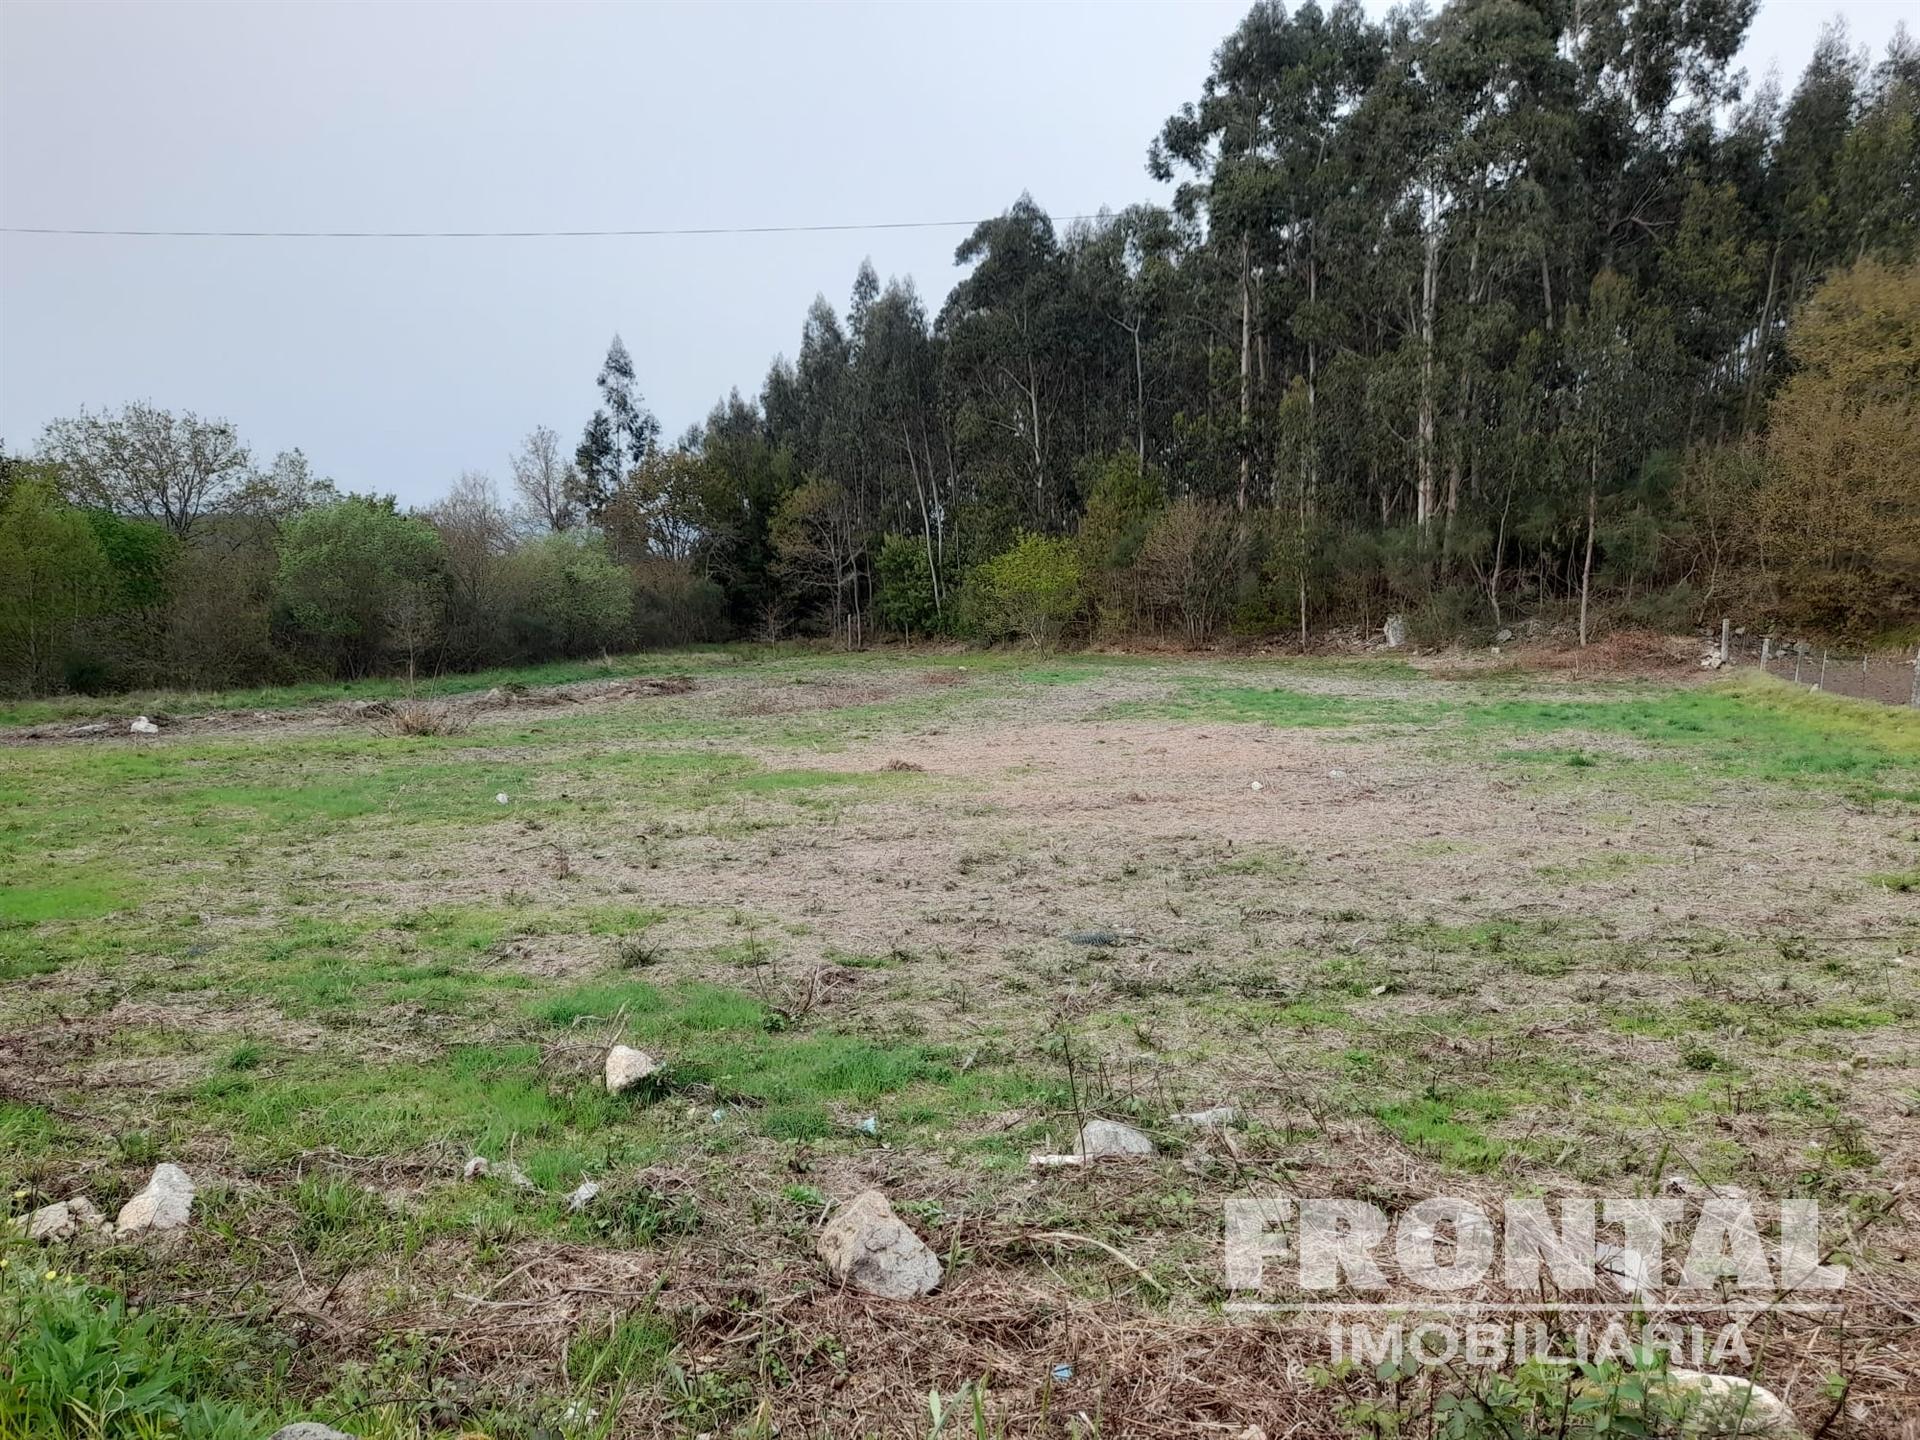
1139 397
1762 338
926 521
1586 570
1313 431
1246 368
1039 464
1429 299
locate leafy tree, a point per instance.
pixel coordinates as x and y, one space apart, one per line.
903 588
53 577
621 434
569 596
146 461
1839 513
546 484
1031 590
360 583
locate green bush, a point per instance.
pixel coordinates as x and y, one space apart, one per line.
903 588
359 583
1030 591
79 1364
569 596
674 606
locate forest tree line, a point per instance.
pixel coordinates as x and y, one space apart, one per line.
1516 308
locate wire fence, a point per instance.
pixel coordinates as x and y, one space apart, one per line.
1891 677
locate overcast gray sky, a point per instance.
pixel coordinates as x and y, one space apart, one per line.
396 364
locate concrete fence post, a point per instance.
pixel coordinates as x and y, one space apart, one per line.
1766 650
1915 700
1726 640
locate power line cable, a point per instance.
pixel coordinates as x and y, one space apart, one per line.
655 233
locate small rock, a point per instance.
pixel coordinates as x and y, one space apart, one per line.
583 1195
1336 774
1502 637
870 1248
513 1175
309 1430
1109 1137
627 1067
476 1168
1726 1405
501 798
63 1220
1396 631
1211 1119
163 1205
1256 785
143 726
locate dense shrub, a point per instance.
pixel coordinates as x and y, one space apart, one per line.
1030 591
904 597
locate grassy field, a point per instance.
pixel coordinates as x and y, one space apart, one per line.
1470 933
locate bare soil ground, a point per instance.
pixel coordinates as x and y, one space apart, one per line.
1461 933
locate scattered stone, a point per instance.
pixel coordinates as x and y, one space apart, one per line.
1211 1119
1048 1162
143 726
63 1220
1726 1405
501 798
1256 785
1100 1138
627 1067
163 1205
1396 631
870 1248
478 1167
1501 637
513 1175
584 1195
1336 774
309 1430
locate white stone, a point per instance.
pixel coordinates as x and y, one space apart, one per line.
163 1205
1211 1119
62 1220
583 1195
309 1430
476 1168
627 1067
1726 1405
143 726
1109 1137
1395 630
868 1247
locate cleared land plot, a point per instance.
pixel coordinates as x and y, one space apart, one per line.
1483 936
